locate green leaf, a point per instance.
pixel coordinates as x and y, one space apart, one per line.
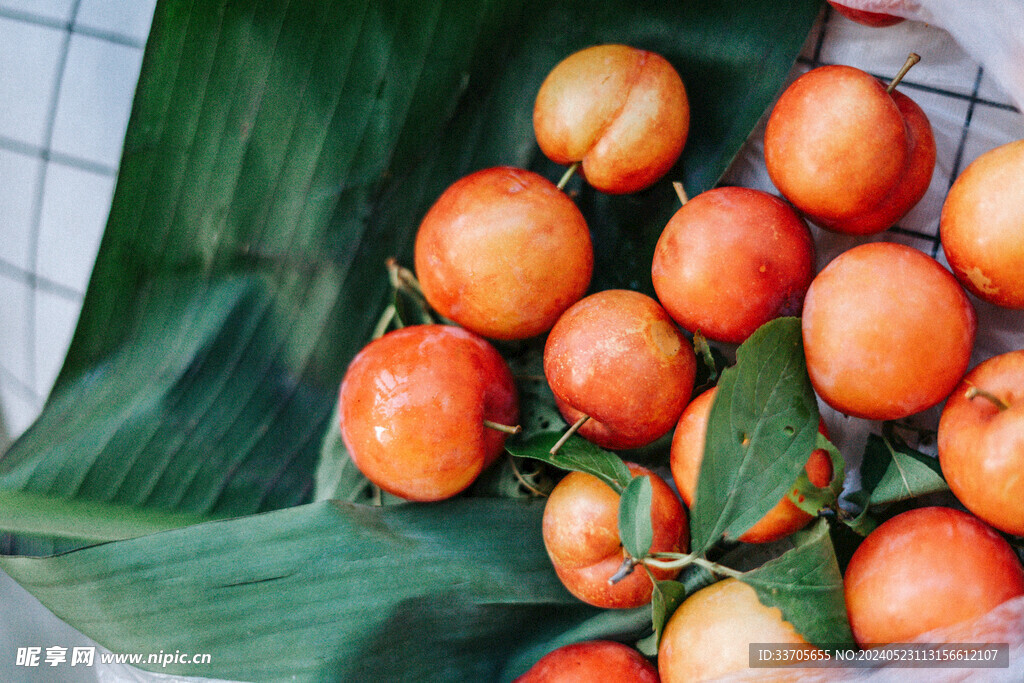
891 471
806 584
277 155
906 473
635 528
666 598
863 523
333 590
629 621
575 455
761 430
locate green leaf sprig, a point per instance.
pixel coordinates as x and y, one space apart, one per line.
761 430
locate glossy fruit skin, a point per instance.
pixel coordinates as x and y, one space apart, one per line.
981 448
981 226
730 260
686 456
594 660
873 19
581 534
887 332
916 177
619 110
850 156
503 252
710 634
412 406
926 569
618 357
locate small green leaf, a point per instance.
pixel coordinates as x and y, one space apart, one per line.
806 584
635 528
761 430
576 455
891 471
812 499
908 473
667 597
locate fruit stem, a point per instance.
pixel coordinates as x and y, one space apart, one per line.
974 392
385 321
624 570
680 192
912 59
568 174
680 560
508 429
569 432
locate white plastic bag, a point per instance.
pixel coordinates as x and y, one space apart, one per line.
993 33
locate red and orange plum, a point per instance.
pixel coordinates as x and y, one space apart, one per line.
730 260
620 111
581 534
981 441
503 252
617 357
413 405
925 569
982 226
593 660
887 332
851 156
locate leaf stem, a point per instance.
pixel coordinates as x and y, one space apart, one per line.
522 480
569 432
403 278
680 560
568 174
385 321
912 59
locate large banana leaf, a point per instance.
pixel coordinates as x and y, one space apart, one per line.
332 590
277 153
